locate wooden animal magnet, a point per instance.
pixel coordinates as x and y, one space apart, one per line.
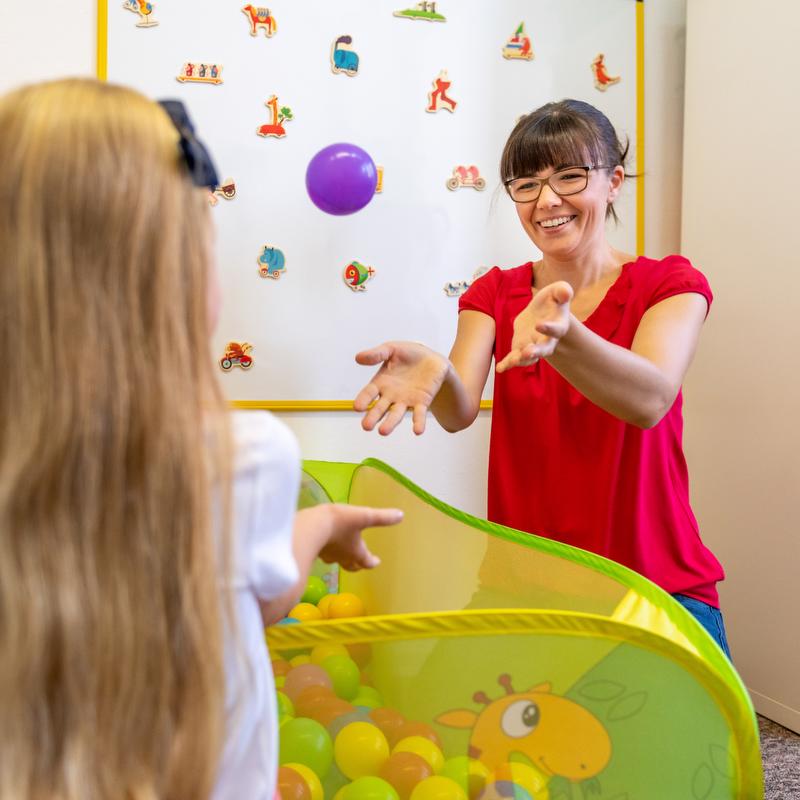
237 355
343 57
356 276
144 10
423 10
519 45
602 80
260 18
201 73
280 114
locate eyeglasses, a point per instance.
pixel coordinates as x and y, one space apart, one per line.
563 182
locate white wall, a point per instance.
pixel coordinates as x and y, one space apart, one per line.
740 225
451 467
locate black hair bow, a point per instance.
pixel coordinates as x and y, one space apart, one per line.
195 154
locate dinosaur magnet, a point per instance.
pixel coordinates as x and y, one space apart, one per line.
144 10
271 262
465 177
423 10
519 45
279 116
260 18
343 57
356 276
602 80
236 355
200 73
437 97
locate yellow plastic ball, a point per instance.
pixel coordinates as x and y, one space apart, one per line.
437 787
422 747
305 612
322 651
345 605
324 603
300 659
360 749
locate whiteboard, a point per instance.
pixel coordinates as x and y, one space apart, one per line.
416 234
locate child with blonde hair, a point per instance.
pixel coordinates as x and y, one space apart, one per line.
140 522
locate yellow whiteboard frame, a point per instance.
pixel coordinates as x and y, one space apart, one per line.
347 405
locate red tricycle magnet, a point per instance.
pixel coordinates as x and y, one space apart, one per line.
236 355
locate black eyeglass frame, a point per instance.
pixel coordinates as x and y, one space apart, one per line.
546 182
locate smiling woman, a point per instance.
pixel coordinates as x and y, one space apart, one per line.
592 346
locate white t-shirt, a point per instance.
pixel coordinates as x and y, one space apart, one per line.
266 482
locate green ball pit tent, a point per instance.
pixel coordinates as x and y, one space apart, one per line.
535 658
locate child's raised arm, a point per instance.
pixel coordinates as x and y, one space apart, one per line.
331 531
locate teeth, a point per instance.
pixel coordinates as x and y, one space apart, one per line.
554 223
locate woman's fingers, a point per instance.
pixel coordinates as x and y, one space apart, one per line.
374 355
418 418
365 397
394 415
375 414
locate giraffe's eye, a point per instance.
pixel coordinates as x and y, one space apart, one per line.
520 718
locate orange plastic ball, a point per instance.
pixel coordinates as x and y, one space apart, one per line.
404 771
304 676
416 729
310 698
324 603
280 666
331 709
361 653
389 721
292 785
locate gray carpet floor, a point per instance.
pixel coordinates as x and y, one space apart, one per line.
780 753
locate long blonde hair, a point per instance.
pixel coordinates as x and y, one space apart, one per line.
111 668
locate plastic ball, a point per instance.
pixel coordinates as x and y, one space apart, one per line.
303 676
422 747
470 774
292 785
300 658
356 715
344 674
280 681
322 651
305 612
288 621
404 771
345 605
316 589
438 787
330 709
305 741
308 700
360 749
367 697
417 729
524 775
280 666
506 790
360 652
285 705
370 788
388 720
324 603
310 777
341 179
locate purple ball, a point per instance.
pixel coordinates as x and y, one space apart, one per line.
341 179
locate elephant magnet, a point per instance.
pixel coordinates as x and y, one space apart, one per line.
343 57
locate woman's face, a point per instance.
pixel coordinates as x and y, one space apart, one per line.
573 226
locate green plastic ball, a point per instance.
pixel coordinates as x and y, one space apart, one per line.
315 590
371 788
344 674
305 741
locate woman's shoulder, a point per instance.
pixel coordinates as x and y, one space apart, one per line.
497 281
664 277
643 266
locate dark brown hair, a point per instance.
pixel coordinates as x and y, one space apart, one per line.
562 134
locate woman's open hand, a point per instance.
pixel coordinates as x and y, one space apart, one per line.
409 377
538 328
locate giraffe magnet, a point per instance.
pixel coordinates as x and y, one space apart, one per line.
279 114
144 10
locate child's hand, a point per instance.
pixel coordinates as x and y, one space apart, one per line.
345 524
538 328
409 378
